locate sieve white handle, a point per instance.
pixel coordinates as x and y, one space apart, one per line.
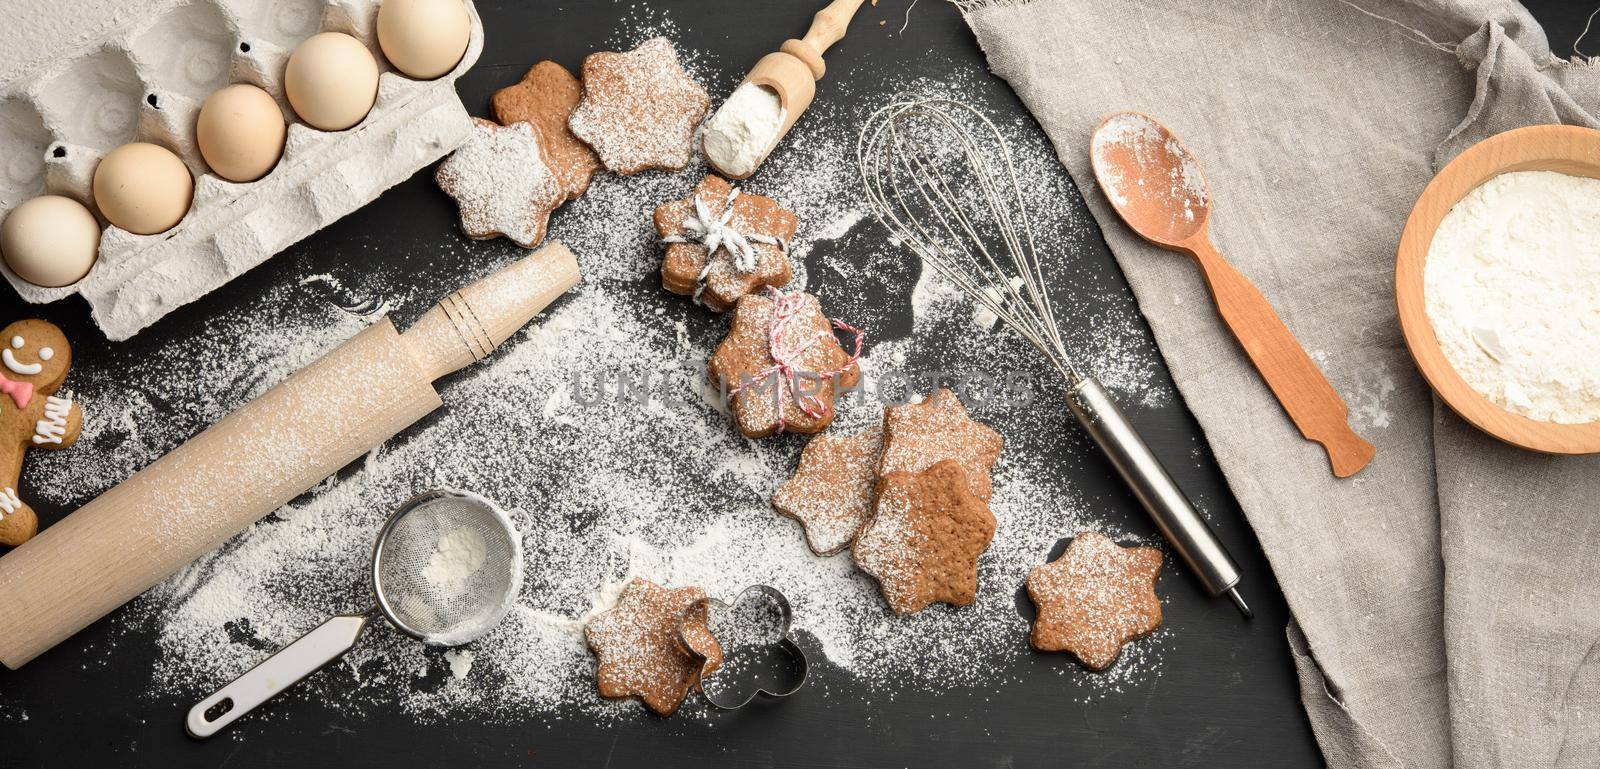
308 654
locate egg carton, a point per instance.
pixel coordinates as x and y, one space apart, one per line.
79 79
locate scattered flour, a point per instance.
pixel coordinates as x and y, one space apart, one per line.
460 661
1512 284
602 491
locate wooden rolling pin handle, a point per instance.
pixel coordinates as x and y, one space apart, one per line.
469 324
1312 403
827 27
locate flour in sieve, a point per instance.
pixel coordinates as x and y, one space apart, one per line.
458 555
1512 286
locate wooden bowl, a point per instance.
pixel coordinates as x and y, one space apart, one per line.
1567 149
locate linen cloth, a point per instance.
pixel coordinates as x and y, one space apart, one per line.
1446 600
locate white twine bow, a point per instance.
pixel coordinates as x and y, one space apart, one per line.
717 232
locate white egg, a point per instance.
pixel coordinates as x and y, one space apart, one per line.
50 241
143 188
424 38
331 81
240 132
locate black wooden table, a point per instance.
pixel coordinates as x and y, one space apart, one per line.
1227 694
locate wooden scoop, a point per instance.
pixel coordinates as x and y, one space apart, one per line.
1156 186
794 69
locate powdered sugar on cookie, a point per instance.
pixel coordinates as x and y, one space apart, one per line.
924 538
1096 597
502 181
639 109
831 494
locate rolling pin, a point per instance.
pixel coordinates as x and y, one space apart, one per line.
256 459
793 70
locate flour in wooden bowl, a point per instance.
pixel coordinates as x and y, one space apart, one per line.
1512 287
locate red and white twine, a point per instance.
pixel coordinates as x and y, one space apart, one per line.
786 354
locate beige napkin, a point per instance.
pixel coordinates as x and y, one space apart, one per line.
1447 598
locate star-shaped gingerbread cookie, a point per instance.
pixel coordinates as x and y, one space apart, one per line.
831 494
918 435
798 396
637 645
501 180
639 109
742 237
924 538
545 99
1096 597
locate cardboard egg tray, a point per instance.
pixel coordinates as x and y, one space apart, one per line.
79 79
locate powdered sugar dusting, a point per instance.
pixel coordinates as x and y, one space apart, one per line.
502 182
605 490
639 109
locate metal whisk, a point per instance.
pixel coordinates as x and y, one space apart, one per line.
939 175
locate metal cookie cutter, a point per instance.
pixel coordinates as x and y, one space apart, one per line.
759 619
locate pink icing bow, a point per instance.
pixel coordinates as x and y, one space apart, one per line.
21 392
785 309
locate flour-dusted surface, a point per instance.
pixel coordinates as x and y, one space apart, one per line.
1512 285
606 491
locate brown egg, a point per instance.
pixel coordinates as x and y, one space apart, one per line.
424 38
143 188
331 81
240 132
50 241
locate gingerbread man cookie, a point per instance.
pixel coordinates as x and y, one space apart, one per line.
639 109
831 494
916 436
723 243
639 645
544 99
502 182
924 538
34 359
1096 597
781 365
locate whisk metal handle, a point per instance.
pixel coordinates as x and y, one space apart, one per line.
1174 514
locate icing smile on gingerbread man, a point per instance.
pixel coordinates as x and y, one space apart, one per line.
33 366
9 357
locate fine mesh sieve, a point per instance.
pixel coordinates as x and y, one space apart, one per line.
446 568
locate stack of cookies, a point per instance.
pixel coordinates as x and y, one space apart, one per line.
910 499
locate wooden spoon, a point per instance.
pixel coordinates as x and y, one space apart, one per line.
1156 186
793 70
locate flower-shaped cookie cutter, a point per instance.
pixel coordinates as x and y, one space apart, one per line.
731 625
